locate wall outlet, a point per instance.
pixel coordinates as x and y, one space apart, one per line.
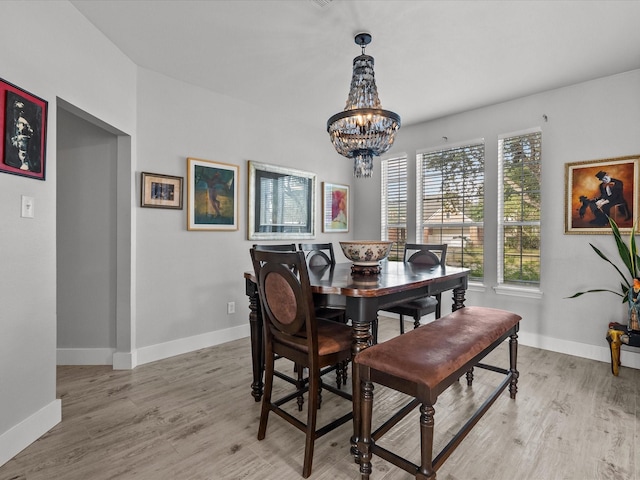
231 308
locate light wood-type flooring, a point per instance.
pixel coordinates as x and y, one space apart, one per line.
192 417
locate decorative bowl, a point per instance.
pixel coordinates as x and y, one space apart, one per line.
366 254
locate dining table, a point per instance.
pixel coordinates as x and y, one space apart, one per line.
364 296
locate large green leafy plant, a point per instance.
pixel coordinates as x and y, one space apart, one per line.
629 257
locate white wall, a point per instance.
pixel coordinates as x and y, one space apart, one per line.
185 278
593 120
51 52
86 237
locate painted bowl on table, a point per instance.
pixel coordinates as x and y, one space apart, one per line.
366 252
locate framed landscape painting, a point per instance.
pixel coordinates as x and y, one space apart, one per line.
212 195
597 190
335 207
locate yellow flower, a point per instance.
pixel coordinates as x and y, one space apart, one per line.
636 285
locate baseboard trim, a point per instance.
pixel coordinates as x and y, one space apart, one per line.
130 360
85 356
161 351
125 360
630 357
19 437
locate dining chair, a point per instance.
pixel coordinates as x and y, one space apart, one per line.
322 311
418 254
321 255
292 330
289 247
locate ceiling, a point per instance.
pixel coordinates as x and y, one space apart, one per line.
432 58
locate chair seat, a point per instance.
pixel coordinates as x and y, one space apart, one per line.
422 306
333 337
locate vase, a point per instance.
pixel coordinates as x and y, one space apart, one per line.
633 319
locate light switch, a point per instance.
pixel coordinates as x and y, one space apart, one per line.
28 207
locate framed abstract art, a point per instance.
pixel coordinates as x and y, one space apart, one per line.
212 195
23 123
335 207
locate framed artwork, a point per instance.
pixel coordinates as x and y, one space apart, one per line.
23 122
161 191
281 203
598 189
212 195
335 207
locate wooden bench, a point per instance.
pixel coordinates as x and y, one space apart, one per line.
423 363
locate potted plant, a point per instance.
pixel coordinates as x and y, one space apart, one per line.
630 284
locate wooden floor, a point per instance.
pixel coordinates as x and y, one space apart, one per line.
192 417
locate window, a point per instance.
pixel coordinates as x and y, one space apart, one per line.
284 203
450 203
519 208
394 204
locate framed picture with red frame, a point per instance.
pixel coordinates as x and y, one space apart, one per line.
23 123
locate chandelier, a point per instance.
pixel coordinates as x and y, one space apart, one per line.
363 130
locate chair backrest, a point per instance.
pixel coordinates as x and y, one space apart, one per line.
289 247
286 298
318 254
425 254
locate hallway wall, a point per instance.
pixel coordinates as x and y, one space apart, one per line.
86 241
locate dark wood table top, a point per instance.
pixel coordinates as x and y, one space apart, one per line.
394 277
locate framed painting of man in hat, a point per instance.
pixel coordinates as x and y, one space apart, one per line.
598 190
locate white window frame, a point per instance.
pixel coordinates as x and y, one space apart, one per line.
533 290
420 222
397 248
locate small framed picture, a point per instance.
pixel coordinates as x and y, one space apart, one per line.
161 191
597 190
212 195
335 207
23 122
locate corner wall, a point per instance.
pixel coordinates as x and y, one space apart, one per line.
185 278
62 56
589 121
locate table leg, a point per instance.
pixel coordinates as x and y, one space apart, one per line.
257 350
362 312
613 337
458 299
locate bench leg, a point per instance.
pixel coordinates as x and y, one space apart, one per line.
364 443
513 360
426 471
469 376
